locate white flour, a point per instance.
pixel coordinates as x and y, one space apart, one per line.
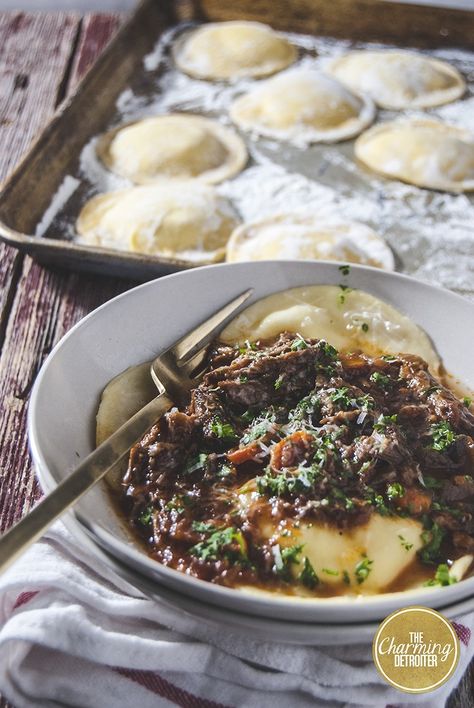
431 233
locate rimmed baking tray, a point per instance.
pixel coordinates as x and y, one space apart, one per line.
28 194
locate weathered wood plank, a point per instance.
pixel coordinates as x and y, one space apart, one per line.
35 50
45 305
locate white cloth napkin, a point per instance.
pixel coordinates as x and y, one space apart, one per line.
74 634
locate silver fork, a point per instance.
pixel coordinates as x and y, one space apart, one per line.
175 372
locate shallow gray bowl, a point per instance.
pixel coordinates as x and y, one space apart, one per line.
135 326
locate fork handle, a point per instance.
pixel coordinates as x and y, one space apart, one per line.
85 476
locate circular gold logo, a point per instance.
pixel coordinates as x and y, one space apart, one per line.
416 649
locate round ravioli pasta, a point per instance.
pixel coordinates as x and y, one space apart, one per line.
397 79
426 153
177 145
180 219
231 50
303 105
338 316
303 237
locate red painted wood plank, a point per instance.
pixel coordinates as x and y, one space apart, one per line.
96 32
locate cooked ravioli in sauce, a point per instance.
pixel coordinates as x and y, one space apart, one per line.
399 79
304 465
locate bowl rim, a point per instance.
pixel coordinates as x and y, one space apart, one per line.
433 596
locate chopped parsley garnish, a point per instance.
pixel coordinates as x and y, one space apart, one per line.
407 546
227 543
203 527
383 421
364 327
365 402
432 540
284 558
340 396
389 357
299 343
329 571
442 436
363 570
327 349
345 269
278 382
342 296
442 577
381 380
345 577
260 426
248 416
248 347
222 430
243 379
467 401
145 517
306 407
286 482
308 575
395 491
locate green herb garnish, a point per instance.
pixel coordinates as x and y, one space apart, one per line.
364 327
278 382
383 421
308 575
299 343
407 546
442 577
395 491
222 430
381 380
342 296
432 539
363 570
340 397
345 269
203 527
442 436
227 543
145 517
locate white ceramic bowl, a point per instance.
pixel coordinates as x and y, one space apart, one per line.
135 326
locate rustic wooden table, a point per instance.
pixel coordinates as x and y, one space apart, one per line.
42 57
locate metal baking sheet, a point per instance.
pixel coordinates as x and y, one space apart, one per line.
431 233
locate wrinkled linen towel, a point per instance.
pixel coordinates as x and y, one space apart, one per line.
75 634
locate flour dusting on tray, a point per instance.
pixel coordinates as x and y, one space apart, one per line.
431 233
